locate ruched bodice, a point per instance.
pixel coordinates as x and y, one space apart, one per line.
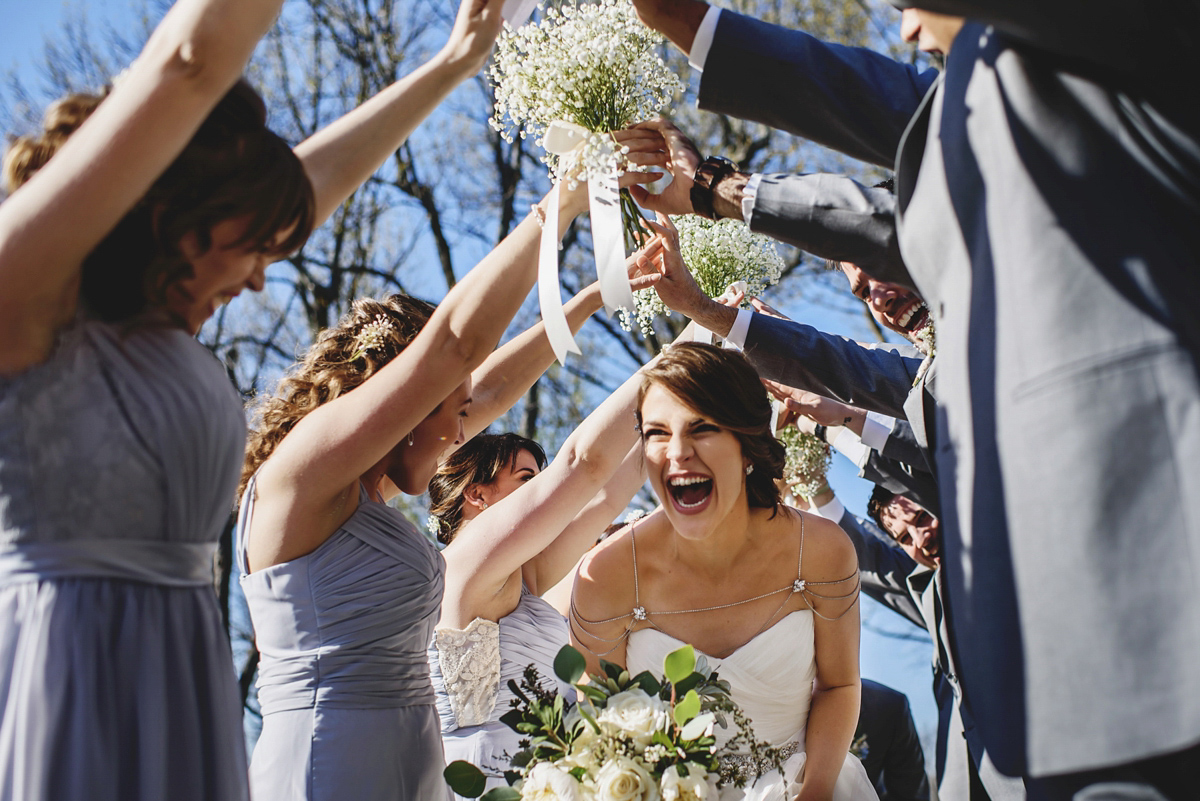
771 676
121 443
119 457
532 634
348 707
771 679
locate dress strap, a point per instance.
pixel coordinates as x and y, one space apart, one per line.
245 513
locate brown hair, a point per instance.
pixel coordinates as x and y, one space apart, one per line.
721 385
367 337
478 461
234 167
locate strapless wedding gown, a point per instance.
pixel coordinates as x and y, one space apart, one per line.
771 678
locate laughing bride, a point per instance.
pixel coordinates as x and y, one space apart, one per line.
767 593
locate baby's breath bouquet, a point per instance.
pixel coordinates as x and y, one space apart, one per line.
587 64
629 737
807 462
718 253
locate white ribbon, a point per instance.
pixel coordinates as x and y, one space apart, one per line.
554 320
563 139
516 12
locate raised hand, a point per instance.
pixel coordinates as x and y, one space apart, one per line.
474 33
681 160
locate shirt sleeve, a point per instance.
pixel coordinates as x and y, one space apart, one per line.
832 510
736 338
876 429
703 39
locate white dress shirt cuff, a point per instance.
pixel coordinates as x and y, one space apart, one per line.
749 193
848 444
831 511
704 39
876 430
736 338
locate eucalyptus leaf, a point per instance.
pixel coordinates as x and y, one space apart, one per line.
679 664
465 779
569 665
687 709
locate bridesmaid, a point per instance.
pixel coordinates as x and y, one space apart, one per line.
344 592
132 215
513 532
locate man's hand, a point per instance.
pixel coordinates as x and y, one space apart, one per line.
820 410
677 288
677 19
681 160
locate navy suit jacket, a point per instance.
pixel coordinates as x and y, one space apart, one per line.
894 761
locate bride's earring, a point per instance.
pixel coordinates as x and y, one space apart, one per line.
749 469
485 503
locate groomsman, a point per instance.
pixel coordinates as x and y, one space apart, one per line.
893 758
1048 208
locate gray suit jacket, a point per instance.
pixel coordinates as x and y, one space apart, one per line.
893 579
1048 191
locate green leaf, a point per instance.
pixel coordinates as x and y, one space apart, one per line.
569 665
465 779
688 708
513 718
679 664
688 682
593 692
648 683
501 794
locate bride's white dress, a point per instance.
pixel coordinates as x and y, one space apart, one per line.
771 678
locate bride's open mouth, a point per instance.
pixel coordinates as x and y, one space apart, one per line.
690 494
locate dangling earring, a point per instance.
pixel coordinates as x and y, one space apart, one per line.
749 469
410 438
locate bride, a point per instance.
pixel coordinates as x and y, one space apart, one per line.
767 593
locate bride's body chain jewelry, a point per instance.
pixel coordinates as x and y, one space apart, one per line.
579 623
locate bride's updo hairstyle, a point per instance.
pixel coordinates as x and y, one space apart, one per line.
367 337
721 385
234 167
478 461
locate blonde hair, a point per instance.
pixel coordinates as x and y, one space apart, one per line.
367 337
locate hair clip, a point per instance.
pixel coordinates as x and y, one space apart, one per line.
372 336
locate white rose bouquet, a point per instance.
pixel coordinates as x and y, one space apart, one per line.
630 738
718 253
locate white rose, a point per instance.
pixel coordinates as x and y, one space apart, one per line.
623 779
697 786
636 714
547 782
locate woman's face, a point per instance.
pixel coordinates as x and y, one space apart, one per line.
219 274
696 467
510 478
412 466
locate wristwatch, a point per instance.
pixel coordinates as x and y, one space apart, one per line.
709 173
